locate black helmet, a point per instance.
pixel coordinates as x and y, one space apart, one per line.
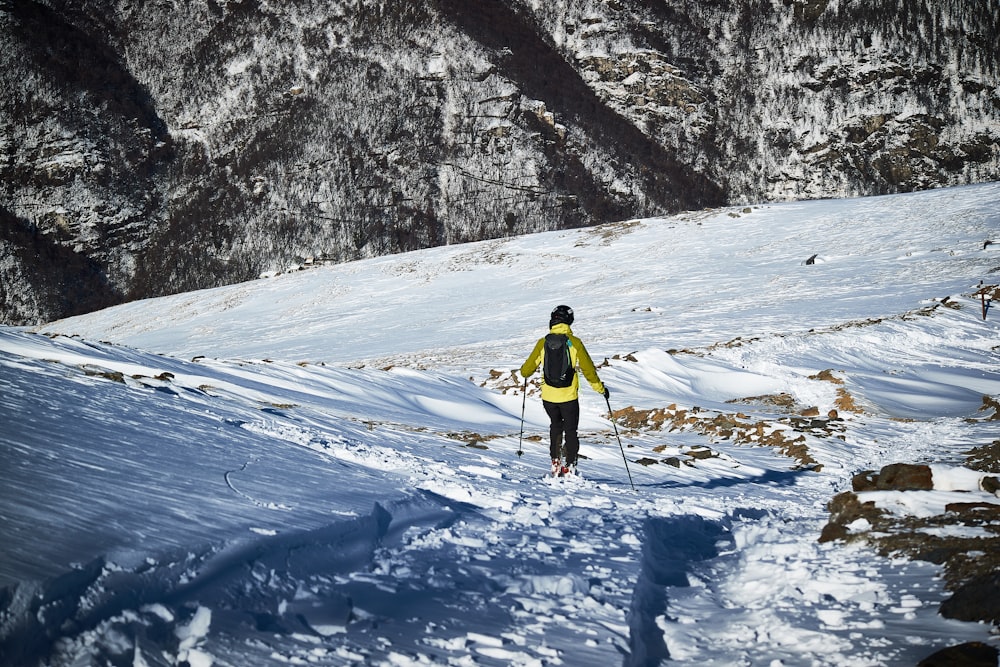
561 315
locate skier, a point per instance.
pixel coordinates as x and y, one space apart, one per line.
560 385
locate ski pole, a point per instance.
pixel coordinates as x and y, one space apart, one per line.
524 398
611 416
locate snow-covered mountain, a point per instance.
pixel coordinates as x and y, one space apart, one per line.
152 148
322 467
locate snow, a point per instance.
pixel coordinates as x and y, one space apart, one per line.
321 467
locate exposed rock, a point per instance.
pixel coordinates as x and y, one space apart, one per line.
971 654
976 510
991 403
701 453
866 480
846 508
905 477
645 87
975 600
894 477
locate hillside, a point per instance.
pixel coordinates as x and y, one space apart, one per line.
322 467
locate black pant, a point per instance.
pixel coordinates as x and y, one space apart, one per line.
565 419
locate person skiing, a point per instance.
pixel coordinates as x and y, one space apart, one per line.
560 354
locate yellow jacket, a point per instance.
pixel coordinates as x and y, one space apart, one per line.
581 361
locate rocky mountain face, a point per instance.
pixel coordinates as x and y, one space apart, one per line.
157 146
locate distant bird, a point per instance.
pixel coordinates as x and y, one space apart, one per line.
986 244
811 260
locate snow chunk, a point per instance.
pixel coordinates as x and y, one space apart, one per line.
948 478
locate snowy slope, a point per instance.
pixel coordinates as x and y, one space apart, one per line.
299 469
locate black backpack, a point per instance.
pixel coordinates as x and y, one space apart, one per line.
557 366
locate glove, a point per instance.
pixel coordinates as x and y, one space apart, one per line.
607 392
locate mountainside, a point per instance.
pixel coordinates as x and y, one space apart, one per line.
151 148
